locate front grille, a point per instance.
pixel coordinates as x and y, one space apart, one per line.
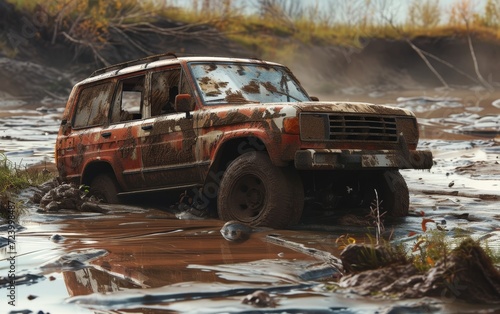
362 128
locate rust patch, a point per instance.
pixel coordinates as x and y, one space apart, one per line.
205 80
211 67
128 145
234 96
76 160
269 87
251 88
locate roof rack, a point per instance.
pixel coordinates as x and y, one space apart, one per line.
119 66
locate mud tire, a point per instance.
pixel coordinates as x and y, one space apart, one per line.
105 188
256 192
393 192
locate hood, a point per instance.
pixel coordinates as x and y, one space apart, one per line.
351 107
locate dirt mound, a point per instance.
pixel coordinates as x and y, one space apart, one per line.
467 274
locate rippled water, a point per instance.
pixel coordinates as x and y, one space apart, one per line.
28 135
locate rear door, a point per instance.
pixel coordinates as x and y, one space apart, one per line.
121 139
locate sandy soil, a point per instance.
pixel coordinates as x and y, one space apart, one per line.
138 258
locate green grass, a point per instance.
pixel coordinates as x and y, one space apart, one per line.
13 179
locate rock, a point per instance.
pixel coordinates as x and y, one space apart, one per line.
57 238
91 207
37 197
259 298
68 203
235 231
67 196
47 186
52 206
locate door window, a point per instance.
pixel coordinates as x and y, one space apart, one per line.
129 100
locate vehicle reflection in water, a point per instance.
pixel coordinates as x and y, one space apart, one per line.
152 250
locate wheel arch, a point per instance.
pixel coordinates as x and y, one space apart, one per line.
94 169
228 151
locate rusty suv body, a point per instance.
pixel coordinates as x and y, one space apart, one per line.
241 136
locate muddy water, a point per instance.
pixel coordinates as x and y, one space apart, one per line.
142 259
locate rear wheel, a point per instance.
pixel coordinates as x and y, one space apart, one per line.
256 192
105 188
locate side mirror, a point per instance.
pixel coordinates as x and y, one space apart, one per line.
314 98
184 103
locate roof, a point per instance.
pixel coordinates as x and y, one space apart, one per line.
158 61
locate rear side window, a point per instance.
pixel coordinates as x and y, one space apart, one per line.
93 105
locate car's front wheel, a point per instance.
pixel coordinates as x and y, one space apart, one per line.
392 192
256 192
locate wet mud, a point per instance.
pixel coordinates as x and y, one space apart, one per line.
138 258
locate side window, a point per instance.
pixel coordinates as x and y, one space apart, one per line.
128 101
185 87
164 88
93 105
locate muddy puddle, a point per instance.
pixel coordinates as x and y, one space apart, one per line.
143 259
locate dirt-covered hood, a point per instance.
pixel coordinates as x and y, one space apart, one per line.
350 107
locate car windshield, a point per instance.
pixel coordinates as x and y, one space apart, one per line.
222 83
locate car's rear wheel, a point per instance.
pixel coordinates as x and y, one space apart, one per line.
105 188
256 192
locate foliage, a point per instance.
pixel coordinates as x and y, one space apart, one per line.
272 28
424 14
430 248
13 178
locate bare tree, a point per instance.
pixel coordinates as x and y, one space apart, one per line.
463 12
424 14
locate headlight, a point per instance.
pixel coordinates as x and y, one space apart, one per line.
314 127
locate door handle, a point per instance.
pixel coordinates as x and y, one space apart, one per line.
147 127
106 134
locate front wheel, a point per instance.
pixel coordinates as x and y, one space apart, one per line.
256 192
105 188
392 191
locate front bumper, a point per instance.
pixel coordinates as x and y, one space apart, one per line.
329 159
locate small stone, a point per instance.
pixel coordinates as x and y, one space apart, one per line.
235 231
91 207
56 238
52 206
259 298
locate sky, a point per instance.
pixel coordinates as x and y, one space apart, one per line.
397 9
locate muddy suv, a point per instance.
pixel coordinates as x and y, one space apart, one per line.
240 136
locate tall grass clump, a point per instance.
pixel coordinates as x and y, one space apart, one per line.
14 178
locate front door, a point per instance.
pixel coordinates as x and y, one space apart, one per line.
168 150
